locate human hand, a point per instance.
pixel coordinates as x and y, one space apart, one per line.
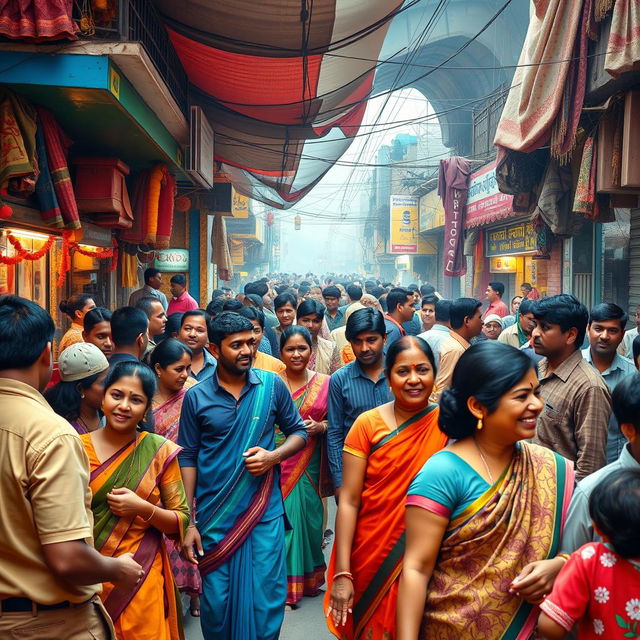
258 460
191 538
341 600
128 572
124 503
314 428
536 580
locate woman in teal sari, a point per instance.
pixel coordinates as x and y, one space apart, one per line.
305 478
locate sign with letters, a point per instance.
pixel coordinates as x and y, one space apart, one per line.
511 240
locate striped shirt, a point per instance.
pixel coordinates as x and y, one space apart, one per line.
351 392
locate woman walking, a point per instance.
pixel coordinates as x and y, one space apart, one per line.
75 307
78 396
325 356
137 496
484 508
305 476
171 362
384 450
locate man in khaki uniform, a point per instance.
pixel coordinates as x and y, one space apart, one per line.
50 574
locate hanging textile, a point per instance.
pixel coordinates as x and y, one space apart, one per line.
480 272
623 48
220 254
556 200
453 186
165 211
136 234
537 89
47 199
57 144
17 154
128 269
585 201
37 20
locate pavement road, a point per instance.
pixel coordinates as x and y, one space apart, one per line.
305 623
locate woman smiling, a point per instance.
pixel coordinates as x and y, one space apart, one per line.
383 451
483 509
137 496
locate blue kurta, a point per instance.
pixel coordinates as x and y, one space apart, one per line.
243 598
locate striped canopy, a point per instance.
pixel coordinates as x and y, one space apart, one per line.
284 83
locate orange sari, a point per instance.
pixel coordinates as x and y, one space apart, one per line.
394 458
150 469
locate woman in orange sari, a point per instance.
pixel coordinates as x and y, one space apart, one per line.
485 514
171 362
383 451
137 496
305 476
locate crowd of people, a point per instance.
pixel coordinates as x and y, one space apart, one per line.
484 458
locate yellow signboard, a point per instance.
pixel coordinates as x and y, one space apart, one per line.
431 211
404 224
511 240
239 205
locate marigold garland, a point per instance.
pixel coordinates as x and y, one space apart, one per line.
22 253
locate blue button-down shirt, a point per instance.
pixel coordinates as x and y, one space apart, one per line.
351 392
336 322
209 368
620 368
209 411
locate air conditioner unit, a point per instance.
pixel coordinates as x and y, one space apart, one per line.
200 161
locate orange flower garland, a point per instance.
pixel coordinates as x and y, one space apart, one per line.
100 254
22 253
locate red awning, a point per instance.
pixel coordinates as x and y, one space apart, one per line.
485 202
285 90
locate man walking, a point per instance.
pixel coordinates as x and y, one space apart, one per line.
335 315
494 294
181 301
519 333
577 402
152 284
50 574
229 466
152 307
400 309
466 323
440 330
130 334
605 333
358 386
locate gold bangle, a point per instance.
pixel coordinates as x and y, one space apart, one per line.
343 574
564 556
151 516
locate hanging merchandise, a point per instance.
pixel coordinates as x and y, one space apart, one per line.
57 144
585 201
165 211
153 203
183 204
36 21
138 231
45 191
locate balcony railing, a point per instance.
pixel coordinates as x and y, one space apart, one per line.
137 21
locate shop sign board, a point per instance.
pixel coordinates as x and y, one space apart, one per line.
431 212
239 204
485 202
404 224
511 240
176 260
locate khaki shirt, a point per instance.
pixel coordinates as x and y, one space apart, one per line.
451 348
45 495
510 336
575 418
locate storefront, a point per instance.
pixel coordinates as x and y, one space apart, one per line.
506 243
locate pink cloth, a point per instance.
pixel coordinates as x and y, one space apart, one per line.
182 303
498 307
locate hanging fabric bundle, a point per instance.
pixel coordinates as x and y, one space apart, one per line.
156 179
585 201
165 211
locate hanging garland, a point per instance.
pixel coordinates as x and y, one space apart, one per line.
22 253
100 254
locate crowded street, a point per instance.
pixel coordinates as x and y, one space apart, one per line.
319 320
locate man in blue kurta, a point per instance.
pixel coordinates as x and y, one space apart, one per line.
229 465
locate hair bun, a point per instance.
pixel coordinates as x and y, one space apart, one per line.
455 419
63 306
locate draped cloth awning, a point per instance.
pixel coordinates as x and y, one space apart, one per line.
284 83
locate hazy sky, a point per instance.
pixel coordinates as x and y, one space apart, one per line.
333 245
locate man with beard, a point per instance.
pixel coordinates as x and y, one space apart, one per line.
577 403
605 333
229 466
193 333
358 386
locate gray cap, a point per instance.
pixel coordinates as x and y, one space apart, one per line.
81 360
494 317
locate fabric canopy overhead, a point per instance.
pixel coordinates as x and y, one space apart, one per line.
284 83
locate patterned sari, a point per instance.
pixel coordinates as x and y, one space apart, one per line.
379 540
517 521
148 467
166 424
304 482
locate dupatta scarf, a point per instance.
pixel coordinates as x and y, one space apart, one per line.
138 466
516 521
311 402
379 540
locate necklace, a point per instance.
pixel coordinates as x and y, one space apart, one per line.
486 466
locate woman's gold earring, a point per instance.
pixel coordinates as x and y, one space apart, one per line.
479 425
